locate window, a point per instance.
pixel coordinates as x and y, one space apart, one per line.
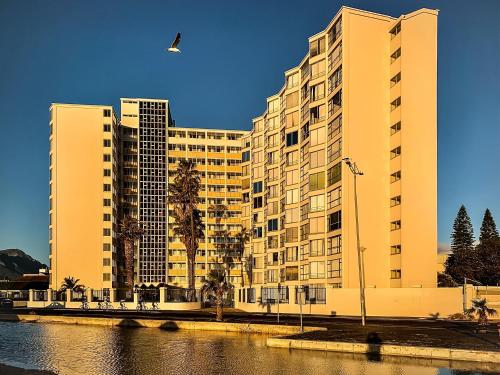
106 232
291 234
317 224
396 127
335 174
292 158
292 80
107 127
334 268
106 247
272 174
257 187
257 232
292 100
317 203
107 143
107 113
272 191
292 196
317 136
395 30
272 208
107 202
106 277
396 176
335 80
292 215
272 225
396 55
396 201
335 103
334 150
316 248
245 156
335 221
334 197
107 187
272 242
395 80
317 159
292 138
292 119
395 152
257 202
107 173
395 274
292 177
106 262
316 270
107 157
317 47
395 104
292 273
334 127
317 69
273 106
317 181
334 245
106 217
395 249
395 225
318 113
318 91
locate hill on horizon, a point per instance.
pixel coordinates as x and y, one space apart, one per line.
15 262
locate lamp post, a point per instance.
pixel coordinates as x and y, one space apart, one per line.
356 172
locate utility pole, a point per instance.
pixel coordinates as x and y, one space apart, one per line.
356 172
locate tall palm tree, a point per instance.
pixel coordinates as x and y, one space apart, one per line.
481 310
188 225
130 231
222 235
70 283
215 286
242 237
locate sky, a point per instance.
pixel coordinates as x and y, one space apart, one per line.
234 54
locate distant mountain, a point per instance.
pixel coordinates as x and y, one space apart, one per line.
14 263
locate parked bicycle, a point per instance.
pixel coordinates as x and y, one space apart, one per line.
122 305
155 306
85 304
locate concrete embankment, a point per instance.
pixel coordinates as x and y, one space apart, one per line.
383 349
270 329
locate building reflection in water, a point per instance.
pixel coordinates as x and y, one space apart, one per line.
88 350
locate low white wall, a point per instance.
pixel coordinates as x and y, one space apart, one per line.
397 302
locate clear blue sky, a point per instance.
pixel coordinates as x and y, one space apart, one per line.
234 55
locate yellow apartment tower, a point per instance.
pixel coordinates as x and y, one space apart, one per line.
365 90
84 193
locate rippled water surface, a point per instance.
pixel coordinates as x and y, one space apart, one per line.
73 350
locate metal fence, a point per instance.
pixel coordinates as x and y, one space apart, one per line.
59 296
251 295
77 296
313 295
40 295
100 295
177 295
126 295
149 295
15 295
269 295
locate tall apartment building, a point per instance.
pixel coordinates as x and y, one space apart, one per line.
365 90
83 201
103 169
152 148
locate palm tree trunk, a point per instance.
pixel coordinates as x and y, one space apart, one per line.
219 306
129 263
191 258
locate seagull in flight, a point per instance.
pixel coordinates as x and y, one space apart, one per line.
173 48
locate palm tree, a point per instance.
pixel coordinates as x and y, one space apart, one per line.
222 235
130 231
70 283
481 310
215 286
242 237
188 225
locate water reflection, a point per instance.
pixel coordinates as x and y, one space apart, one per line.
71 349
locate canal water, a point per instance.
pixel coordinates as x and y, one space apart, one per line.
89 350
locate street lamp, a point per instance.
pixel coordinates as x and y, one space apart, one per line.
356 172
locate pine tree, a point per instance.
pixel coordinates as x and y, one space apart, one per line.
488 252
488 228
462 261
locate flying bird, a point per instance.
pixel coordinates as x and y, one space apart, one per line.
173 47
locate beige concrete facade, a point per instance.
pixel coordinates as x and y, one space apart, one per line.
83 194
366 90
